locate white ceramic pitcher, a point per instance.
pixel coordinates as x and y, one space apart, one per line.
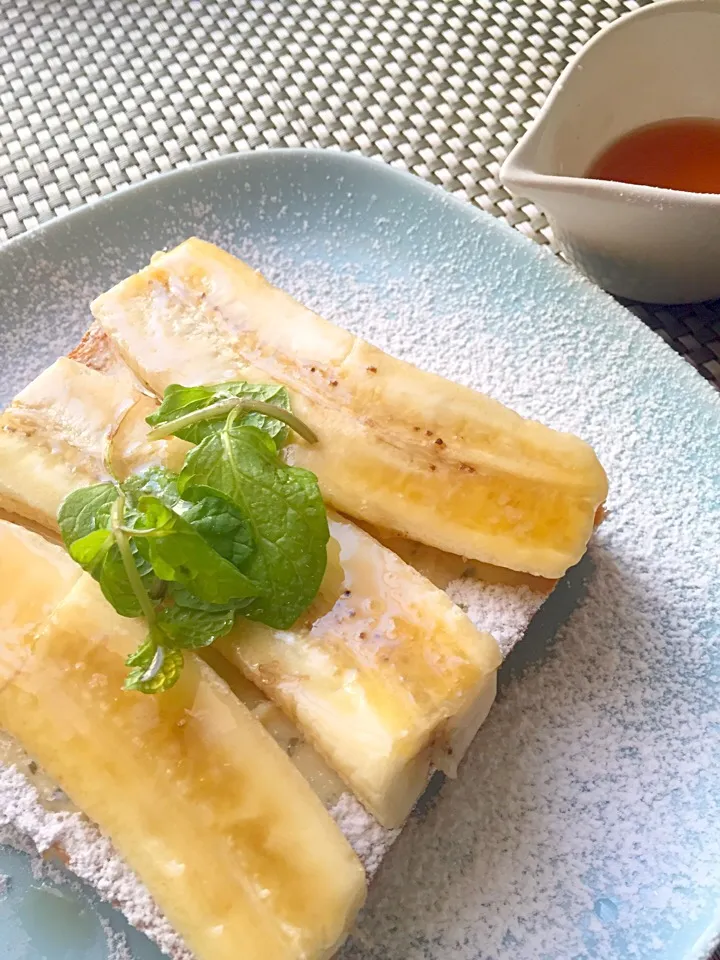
658 63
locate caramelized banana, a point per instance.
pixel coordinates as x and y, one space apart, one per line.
399 448
234 846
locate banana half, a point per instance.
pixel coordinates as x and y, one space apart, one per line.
235 847
400 448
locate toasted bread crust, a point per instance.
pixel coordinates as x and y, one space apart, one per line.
97 351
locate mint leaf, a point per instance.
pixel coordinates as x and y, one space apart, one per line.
179 401
91 550
84 519
85 510
143 655
221 524
284 508
216 520
154 668
237 532
191 629
154 482
116 587
183 598
178 553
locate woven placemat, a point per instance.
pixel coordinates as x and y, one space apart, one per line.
100 93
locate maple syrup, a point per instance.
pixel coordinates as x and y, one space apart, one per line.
682 154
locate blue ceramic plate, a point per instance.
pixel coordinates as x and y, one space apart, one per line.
586 820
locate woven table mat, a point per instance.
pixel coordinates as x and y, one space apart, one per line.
101 93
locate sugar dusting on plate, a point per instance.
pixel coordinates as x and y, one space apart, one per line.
502 610
46 870
584 822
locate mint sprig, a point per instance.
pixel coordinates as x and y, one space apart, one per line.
190 629
237 533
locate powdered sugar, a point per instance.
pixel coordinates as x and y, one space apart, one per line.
117 946
368 839
49 876
503 611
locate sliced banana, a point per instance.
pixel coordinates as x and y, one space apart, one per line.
236 849
399 448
